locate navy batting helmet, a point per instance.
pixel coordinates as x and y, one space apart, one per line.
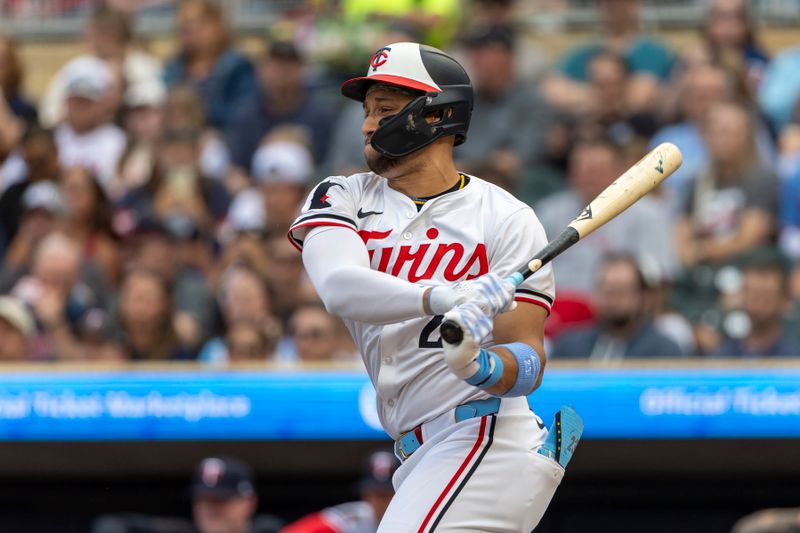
442 86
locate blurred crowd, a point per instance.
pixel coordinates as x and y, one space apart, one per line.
144 201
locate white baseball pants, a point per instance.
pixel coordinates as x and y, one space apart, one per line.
482 474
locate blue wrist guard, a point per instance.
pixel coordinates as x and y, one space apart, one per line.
528 365
490 371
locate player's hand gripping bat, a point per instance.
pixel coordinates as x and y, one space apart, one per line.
637 181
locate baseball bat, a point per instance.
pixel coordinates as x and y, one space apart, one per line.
637 181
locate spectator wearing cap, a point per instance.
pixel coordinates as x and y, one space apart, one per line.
40 164
16 330
624 322
765 303
363 516
108 36
87 137
509 118
283 99
283 169
222 76
224 499
649 61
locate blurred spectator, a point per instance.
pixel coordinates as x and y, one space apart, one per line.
286 278
86 137
16 329
625 328
283 169
283 99
246 341
156 248
492 13
15 111
43 212
184 112
649 61
177 192
146 323
732 205
780 89
509 119
224 499
643 230
109 37
143 120
610 109
770 521
316 334
244 302
729 38
765 302
40 156
222 76
699 88
61 291
434 20
376 490
88 221
12 80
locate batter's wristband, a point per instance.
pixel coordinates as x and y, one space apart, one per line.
528 368
489 372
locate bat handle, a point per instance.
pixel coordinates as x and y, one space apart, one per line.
451 332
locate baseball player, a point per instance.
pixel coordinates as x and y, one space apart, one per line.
396 251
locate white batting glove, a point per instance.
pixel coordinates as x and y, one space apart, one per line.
492 293
476 325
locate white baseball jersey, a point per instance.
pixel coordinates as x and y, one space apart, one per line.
454 237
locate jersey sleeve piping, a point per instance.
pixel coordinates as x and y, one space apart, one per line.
318 220
534 297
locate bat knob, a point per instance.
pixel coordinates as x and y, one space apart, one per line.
451 332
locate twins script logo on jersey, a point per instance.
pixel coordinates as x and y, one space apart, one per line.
424 260
380 58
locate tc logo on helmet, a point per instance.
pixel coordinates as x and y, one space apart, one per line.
380 57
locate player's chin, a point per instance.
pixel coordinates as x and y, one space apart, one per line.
377 163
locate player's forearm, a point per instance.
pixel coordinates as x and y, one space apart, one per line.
511 371
338 265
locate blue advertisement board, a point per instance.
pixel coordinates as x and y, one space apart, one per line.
274 405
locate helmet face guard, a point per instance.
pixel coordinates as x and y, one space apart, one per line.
409 130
